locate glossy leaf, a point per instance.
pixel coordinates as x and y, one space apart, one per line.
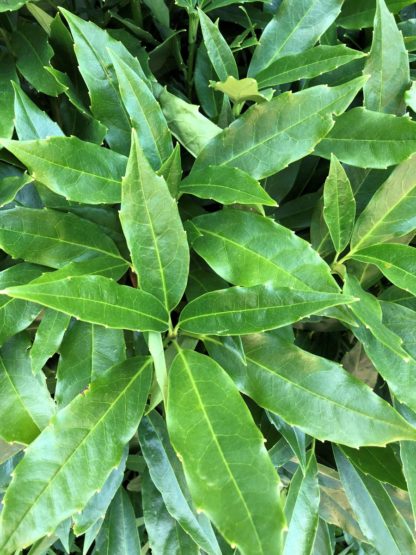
244 310
224 443
11 5
48 338
63 449
97 300
75 169
225 185
295 437
339 205
10 186
153 230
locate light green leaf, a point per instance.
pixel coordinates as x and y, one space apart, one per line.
30 121
87 351
391 212
244 310
369 139
61 454
225 185
387 65
339 205
305 65
153 229
10 186
239 494
76 169
25 403
171 170
167 476
295 27
97 300
313 393
397 262
402 321
301 509
379 519
48 338
290 126
118 534
399 297
294 436
220 54
52 238
407 455
11 5
248 249
100 266
146 116
7 75
240 90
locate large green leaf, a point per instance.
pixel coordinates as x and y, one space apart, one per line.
145 113
248 249
7 76
244 310
339 205
397 262
391 212
335 406
167 476
98 300
387 65
11 5
75 169
308 64
301 510
225 185
48 338
290 126
25 403
110 412
153 230
229 473
369 139
407 456
87 351
379 519
295 27
360 13
10 186
52 238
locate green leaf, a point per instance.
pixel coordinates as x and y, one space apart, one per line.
369 139
167 476
397 262
87 351
401 320
52 238
10 186
301 509
248 249
339 205
144 111
7 75
95 65
75 169
193 130
281 377
225 185
33 53
48 338
387 65
219 52
61 454
379 519
118 534
240 90
399 297
295 27
25 403
153 229
11 5
360 13
305 65
407 455
391 212
171 170
294 436
239 494
384 348
97 300
244 310
290 126
30 121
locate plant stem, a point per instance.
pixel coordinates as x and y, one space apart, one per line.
192 34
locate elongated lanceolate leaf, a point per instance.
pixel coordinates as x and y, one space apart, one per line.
290 126
153 230
97 300
244 310
110 412
75 169
48 338
229 473
298 385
